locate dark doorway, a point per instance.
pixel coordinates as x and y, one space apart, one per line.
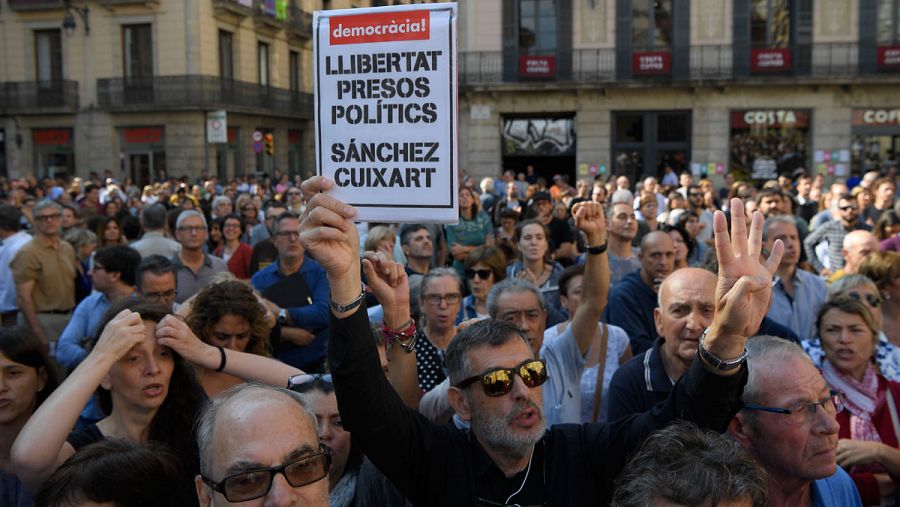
546 143
644 142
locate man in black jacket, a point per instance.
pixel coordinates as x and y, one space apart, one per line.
508 457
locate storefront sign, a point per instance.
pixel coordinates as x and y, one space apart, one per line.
216 127
232 136
889 57
875 117
651 63
770 118
537 66
143 135
386 110
51 137
770 60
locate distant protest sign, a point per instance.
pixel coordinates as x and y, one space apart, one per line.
386 110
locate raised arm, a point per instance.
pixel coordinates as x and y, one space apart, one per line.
177 335
41 446
589 219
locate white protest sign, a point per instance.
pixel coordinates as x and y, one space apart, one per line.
386 110
216 127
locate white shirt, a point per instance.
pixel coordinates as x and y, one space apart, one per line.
8 250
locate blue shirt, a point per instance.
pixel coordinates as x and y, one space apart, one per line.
835 490
562 391
85 323
799 312
631 304
312 317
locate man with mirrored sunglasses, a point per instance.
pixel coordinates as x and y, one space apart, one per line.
260 443
509 457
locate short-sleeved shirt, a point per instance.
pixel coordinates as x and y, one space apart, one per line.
562 391
429 363
835 490
799 311
52 269
190 283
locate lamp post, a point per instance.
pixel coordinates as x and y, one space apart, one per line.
69 20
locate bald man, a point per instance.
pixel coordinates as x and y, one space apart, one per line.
856 247
631 301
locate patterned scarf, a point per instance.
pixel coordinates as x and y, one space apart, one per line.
861 399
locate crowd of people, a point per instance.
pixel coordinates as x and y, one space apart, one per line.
612 342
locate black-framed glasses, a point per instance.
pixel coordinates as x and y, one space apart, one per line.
256 483
831 405
500 381
435 299
848 208
484 274
47 218
288 234
873 300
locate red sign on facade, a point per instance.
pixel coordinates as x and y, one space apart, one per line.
770 60
889 57
51 137
651 63
232 135
776 118
873 117
293 137
537 66
144 135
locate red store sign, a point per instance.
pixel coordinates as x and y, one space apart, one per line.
51 137
537 66
775 118
770 60
651 63
873 117
144 135
889 57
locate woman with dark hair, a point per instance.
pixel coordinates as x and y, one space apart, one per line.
681 240
535 266
485 266
216 238
28 378
690 222
888 227
117 472
473 230
232 250
138 367
109 232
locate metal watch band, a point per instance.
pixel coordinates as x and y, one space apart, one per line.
337 308
715 361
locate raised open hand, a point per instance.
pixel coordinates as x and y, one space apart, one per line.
591 220
326 231
745 284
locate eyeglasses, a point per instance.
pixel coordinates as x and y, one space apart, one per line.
435 299
252 484
484 274
294 192
288 234
831 405
500 381
196 229
872 300
159 296
231 226
47 218
848 208
248 208
695 194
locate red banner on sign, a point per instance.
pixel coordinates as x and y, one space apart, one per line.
537 66
770 60
144 135
380 27
651 63
51 137
770 118
889 57
232 135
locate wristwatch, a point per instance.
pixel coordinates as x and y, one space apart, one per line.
282 316
717 362
596 250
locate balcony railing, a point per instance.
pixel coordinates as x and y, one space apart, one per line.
300 23
713 63
38 97
34 5
233 7
191 92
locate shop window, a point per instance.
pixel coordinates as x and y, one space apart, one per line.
768 140
770 24
537 27
651 25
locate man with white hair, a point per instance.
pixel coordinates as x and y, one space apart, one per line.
260 442
857 245
195 269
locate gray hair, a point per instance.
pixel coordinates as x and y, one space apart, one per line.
764 353
184 215
777 219
44 204
484 333
690 466
153 217
843 285
79 238
622 195
437 273
511 284
206 420
220 200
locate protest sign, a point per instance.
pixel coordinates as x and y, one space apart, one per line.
386 110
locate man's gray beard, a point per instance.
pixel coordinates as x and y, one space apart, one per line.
497 434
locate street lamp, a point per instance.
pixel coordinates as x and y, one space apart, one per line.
69 21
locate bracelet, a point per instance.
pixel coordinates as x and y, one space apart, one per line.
407 334
717 362
339 308
222 364
596 250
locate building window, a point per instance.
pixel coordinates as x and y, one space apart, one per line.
226 55
770 24
48 57
888 22
651 24
263 64
294 62
537 27
137 48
